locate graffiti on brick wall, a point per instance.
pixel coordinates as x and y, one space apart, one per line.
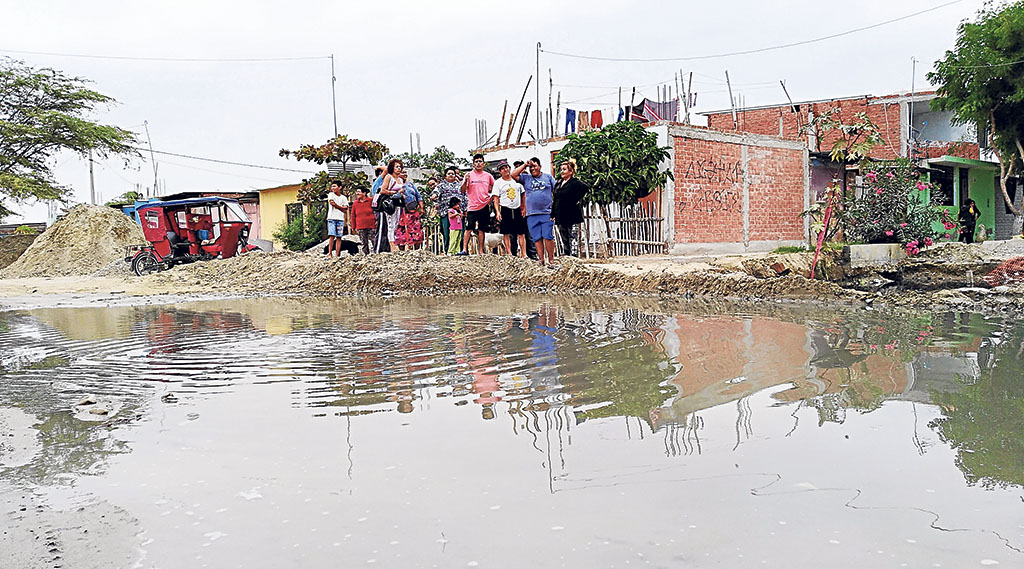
708 170
711 201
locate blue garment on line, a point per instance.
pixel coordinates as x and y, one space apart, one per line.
622 113
570 120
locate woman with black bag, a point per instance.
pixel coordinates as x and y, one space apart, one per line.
384 205
566 210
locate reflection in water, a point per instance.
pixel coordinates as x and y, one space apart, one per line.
546 367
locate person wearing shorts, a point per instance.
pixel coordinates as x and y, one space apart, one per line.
509 203
538 187
478 184
337 207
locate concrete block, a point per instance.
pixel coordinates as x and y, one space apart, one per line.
874 254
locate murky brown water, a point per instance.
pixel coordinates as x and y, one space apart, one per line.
526 433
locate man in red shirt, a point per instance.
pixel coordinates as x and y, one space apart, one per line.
477 185
362 219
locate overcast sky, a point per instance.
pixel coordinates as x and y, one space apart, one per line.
431 68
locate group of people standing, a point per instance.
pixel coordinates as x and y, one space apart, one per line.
524 205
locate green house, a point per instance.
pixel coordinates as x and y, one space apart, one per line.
956 179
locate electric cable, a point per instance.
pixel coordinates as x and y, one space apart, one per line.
173 59
143 150
757 50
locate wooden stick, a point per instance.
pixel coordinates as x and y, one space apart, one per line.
522 123
501 124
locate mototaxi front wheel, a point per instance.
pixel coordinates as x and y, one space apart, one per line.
145 263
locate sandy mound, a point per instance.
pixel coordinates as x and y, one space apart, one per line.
13 246
85 240
421 273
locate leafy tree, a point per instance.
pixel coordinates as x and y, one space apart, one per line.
126 198
620 162
981 80
850 142
340 149
42 112
983 422
440 159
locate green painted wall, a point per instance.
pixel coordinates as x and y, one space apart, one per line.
982 190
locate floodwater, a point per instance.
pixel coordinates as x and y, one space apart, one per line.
522 432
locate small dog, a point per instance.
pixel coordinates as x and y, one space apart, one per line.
347 246
494 241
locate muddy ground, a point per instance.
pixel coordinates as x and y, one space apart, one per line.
949 277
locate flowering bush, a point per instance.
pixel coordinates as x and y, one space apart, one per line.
892 208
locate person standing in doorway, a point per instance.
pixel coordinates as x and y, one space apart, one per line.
478 184
337 207
968 218
538 186
508 202
566 210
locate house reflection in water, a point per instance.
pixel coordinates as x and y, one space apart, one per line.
831 368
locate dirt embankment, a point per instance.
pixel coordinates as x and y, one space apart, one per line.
89 238
421 273
11 247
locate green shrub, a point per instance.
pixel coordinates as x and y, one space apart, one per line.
303 232
893 208
25 230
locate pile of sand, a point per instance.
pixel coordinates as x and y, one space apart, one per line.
12 246
418 273
85 240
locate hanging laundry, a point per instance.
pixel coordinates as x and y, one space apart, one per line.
570 121
622 113
584 120
596 119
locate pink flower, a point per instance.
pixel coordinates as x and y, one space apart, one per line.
948 225
888 232
873 347
928 241
890 175
904 224
871 176
875 222
890 346
948 235
921 186
878 192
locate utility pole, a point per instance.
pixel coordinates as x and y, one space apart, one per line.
732 103
910 115
537 86
92 182
152 156
334 102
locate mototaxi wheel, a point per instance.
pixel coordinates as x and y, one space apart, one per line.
145 263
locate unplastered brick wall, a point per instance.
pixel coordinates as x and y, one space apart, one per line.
733 188
884 112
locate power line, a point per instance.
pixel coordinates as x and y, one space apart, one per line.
752 51
222 161
177 59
